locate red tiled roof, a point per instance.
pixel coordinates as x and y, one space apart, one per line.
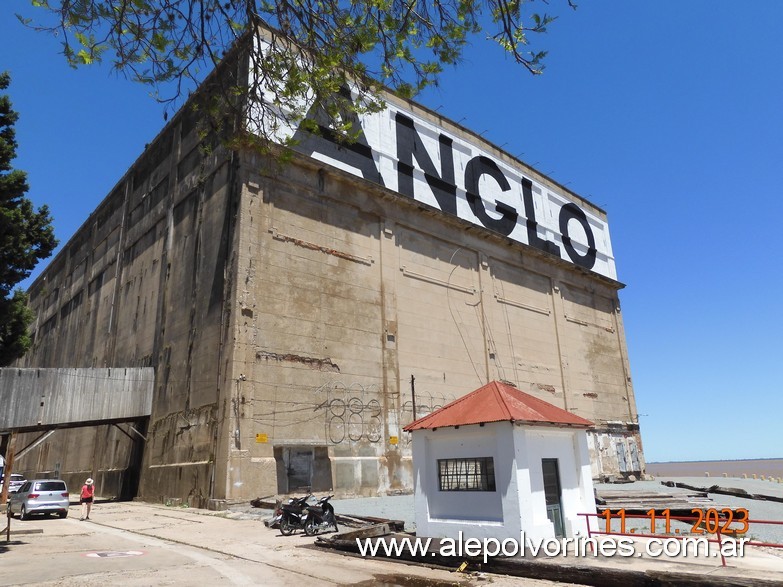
497 402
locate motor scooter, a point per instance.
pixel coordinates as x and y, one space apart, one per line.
320 517
293 514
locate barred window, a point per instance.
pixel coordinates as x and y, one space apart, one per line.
473 474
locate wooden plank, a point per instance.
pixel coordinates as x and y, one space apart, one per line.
643 501
734 492
373 531
395 525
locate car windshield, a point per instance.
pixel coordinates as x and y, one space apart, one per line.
50 486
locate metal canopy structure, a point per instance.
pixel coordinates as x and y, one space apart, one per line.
46 399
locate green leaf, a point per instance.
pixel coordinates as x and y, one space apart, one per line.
84 56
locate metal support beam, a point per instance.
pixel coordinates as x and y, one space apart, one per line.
132 429
34 443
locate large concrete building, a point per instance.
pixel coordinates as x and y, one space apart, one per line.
297 313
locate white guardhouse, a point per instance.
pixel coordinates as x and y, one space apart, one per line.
498 462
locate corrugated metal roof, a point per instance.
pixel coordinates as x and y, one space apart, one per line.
497 402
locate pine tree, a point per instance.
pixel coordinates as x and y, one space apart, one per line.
26 236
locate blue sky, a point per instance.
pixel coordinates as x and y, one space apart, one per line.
669 115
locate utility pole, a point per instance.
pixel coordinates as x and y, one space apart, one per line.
9 466
413 396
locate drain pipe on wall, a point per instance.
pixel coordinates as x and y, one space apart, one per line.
237 430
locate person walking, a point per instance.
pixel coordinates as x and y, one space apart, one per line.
88 492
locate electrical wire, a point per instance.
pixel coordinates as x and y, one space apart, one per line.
451 311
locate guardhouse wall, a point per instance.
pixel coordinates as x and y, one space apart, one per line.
517 508
569 447
470 514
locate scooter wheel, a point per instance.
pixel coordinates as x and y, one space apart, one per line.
310 529
286 529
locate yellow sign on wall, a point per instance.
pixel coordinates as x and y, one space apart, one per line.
262 437
393 440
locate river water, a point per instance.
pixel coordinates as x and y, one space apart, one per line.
767 467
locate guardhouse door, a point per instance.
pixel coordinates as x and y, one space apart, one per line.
552 492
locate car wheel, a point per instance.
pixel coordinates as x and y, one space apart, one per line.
23 513
62 514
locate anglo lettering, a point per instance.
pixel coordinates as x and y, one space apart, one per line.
532 226
410 146
475 168
573 212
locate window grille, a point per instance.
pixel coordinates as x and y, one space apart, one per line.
473 474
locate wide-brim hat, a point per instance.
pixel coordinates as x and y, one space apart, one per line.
89 482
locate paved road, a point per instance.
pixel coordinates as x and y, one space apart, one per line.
142 544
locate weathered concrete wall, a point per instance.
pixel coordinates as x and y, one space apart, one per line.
347 290
616 452
143 283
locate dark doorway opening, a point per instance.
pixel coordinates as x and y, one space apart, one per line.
552 494
302 469
129 482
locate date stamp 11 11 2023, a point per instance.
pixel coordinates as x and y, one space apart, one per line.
725 521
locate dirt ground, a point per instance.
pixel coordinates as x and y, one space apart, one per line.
140 544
